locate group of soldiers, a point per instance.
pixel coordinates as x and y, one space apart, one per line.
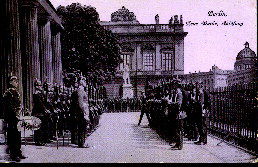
58 109
177 111
122 105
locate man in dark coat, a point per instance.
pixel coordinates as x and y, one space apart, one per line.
80 115
199 116
144 109
12 107
39 111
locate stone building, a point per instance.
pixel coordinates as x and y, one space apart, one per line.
30 45
152 51
213 79
245 70
245 67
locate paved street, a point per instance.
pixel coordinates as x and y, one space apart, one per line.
119 139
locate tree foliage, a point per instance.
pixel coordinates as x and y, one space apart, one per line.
86 46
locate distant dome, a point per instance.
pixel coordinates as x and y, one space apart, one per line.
245 59
123 15
246 53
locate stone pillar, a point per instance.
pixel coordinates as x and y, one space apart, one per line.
158 58
45 49
139 57
56 56
10 54
134 58
179 55
30 51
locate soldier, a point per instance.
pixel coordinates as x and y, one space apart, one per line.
80 114
187 108
39 111
144 109
176 121
200 120
191 120
12 107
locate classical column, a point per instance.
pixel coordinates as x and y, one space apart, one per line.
158 58
134 58
139 57
30 50
56 56
10 57
45 49
179 55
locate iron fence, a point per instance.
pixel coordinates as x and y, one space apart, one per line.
233 114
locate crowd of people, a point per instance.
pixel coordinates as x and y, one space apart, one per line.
172 109
59 110
177 111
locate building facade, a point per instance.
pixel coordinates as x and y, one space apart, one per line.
152 51
245 67
30 45
209 80
245 70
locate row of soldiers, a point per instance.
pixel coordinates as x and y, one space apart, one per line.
58 110
61 111
177 110
122 105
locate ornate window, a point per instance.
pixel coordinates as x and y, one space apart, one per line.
148 61
148 55
167 61
167 55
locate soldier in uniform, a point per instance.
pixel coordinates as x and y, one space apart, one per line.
80 114
178 122
39 111
144 109
12 107
200 120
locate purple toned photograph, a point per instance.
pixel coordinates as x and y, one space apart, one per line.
128 81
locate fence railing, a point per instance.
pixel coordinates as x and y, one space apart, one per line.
234 115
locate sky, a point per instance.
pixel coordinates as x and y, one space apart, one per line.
205 45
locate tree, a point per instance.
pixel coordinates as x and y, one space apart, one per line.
86 46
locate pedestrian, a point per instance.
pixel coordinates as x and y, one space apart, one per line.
144 109
12 108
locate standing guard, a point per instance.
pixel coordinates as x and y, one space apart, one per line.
200 119
80 114
178 99
39 111
12 108
199 115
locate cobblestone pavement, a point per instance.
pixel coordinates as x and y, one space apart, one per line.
119 139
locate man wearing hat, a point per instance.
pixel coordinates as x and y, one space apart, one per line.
12 107
144 109
39 111
177 121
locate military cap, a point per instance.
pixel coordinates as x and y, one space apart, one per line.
12 78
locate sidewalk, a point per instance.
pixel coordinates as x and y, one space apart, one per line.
119 139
